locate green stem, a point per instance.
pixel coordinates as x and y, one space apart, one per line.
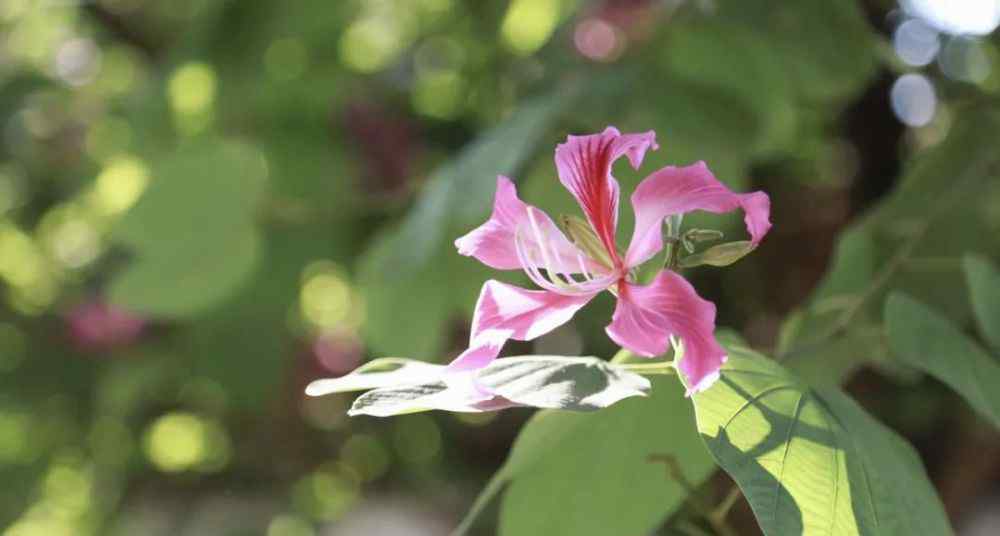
664 367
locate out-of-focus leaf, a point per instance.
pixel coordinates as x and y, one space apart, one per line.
826 47
912 242
192 232
812 461
564 465
924 339
413 278
383 372
552 382
984 289
728 55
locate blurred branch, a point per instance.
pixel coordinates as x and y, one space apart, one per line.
898 260
117 25
716 517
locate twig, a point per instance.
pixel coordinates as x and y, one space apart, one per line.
716 517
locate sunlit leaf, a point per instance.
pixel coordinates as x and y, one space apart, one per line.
926 340
813 462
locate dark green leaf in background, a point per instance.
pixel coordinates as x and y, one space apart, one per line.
414 279
926 340
984 290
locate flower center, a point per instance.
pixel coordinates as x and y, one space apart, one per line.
537 252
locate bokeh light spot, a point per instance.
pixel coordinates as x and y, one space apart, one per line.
959 17
598 40
916 43
965 59
366 455
913 100
191 91
529 24
192 88
417 439
182 441
119 185
370 44
326 299
326 495
77 61
440 95
289 525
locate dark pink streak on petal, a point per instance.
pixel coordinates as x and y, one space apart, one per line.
677 190
584 165
506 312
646 317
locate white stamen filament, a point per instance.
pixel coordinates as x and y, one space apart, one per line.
541 242
553 280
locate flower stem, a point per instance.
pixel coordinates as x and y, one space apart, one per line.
663 367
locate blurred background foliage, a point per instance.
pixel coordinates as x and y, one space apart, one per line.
205 204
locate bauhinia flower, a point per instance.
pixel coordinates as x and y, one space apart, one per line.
572 271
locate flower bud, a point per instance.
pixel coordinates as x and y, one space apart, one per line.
720 255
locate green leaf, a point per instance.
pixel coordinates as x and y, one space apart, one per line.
413 278
826 48
553 382
192 232
590 474
812 462
984 288
926 340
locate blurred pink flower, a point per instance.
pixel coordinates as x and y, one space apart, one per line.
337 353
388 146
98 325
520 236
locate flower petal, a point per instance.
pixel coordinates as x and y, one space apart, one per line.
584 165
676 190
493 243
508 312
647 316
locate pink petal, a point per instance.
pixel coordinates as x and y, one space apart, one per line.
646 317
676 190
584 165
508 312
492 243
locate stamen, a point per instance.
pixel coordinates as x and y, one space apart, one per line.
583 267
541 242
551 283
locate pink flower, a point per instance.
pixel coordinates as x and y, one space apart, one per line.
520 236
